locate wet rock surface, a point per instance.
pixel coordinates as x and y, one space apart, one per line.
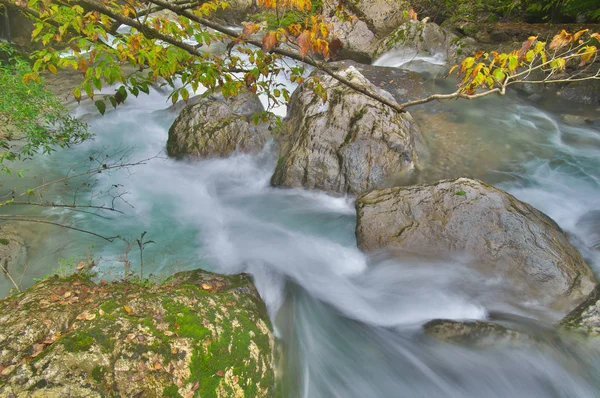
473 333
349 144
198 334
216 126
586 317
502 236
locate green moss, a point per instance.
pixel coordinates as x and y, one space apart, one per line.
109 306
98 373
171 392
4 241
77 342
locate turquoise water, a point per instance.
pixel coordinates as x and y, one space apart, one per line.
349 322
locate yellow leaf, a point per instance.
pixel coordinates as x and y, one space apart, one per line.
577 35
52 68
127 309
588 53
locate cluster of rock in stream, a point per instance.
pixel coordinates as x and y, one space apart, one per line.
201 334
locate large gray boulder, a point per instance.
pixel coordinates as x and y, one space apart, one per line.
348 144
218 126
374 20
502 236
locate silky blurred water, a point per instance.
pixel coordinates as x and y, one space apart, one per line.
349 323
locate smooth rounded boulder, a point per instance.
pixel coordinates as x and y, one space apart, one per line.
348 144
216 126
502 236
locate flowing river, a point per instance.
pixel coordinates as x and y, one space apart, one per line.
350 323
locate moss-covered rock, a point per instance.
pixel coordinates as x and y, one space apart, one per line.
218 126
586 317
197 335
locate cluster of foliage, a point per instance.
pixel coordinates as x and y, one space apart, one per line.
557 10
155 48
31 114
513 10
496 71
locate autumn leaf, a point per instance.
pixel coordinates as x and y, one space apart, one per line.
526 46
335 46
303 42
37 349
86 316
577 35
250 29
220 373
269 41
127 309
560 40
588 53
413 15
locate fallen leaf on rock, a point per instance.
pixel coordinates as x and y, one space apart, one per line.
168 333
103 282
54 298
130 336
52 339
142 366
81 265
127 309
86 316
196 386
157 365
100 312
67 294
47 322
220 373
207 286
37 350
236 379
230 304
141 337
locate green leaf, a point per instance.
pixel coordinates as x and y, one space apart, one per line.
461 193
101 105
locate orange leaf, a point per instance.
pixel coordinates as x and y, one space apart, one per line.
526 46
269 41
303 42
560 40
412 15
127 309
335 46
250 29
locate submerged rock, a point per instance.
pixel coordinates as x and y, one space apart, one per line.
198 334
473 333
503 236
586 317
349 144
12 249
218 126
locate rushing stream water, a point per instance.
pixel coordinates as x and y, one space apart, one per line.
350 322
